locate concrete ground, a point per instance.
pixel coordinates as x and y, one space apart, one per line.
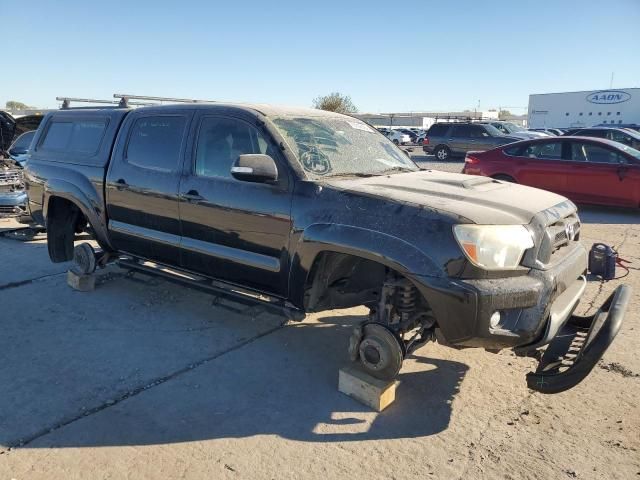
145 379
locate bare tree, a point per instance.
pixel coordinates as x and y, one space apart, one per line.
335 102
504 114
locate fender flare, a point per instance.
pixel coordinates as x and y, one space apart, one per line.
379 247
87 200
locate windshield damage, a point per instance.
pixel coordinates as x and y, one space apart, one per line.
327 146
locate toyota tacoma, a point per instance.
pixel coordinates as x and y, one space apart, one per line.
306 210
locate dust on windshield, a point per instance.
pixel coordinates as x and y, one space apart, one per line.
335 146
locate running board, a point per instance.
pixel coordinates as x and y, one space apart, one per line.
198 282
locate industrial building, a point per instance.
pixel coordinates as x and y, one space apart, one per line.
584 108
426 119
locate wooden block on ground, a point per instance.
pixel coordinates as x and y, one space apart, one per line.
372 392
82 283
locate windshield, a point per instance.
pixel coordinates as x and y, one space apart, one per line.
23 141
515 128
332 146
494 131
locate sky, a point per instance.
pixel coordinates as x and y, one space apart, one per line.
388 56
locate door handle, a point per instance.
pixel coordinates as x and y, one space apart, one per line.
121 184
622 172
192 196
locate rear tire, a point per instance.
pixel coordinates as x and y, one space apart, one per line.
442 153
396 142
61 223
504 178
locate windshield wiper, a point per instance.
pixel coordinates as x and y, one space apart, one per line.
352 174
397 170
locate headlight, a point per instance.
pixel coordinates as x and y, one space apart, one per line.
494 247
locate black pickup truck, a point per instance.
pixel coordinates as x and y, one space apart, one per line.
309 211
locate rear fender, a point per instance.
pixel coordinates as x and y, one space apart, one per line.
382 248
87 200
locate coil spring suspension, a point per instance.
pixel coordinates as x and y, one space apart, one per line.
406 296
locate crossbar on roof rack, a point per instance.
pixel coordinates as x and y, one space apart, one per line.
124 99
66 101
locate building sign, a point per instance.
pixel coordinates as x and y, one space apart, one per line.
608 97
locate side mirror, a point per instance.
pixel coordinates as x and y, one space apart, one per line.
256 168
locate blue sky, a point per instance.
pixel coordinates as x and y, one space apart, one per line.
388 56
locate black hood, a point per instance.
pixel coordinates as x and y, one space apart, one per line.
481 200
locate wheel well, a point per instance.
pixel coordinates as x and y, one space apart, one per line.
64 220
338 280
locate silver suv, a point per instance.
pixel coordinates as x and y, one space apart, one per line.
447 139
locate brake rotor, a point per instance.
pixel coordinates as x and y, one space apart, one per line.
381 352
84 259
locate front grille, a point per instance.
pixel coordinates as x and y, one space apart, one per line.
11 176
6 210
557 236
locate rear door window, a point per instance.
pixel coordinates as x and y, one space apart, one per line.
544 151
156 142
462 131
438 130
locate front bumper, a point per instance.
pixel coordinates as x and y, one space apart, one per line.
524 302
13 203
573 353
536 316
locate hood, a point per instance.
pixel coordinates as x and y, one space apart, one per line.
481 200
7 130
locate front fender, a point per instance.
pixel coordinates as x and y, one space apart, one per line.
385 249
87 200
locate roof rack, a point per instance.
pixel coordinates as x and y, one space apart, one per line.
66 102
460 118
125 99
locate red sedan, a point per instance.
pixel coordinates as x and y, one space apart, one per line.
586 170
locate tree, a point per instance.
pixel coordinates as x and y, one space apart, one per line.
503 114
13 105
335 102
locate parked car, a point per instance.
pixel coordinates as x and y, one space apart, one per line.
13 197
445 140
632 126
412 135
309 211
584 169
398 137
629 137
516 131
554 132
11 127
19 150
